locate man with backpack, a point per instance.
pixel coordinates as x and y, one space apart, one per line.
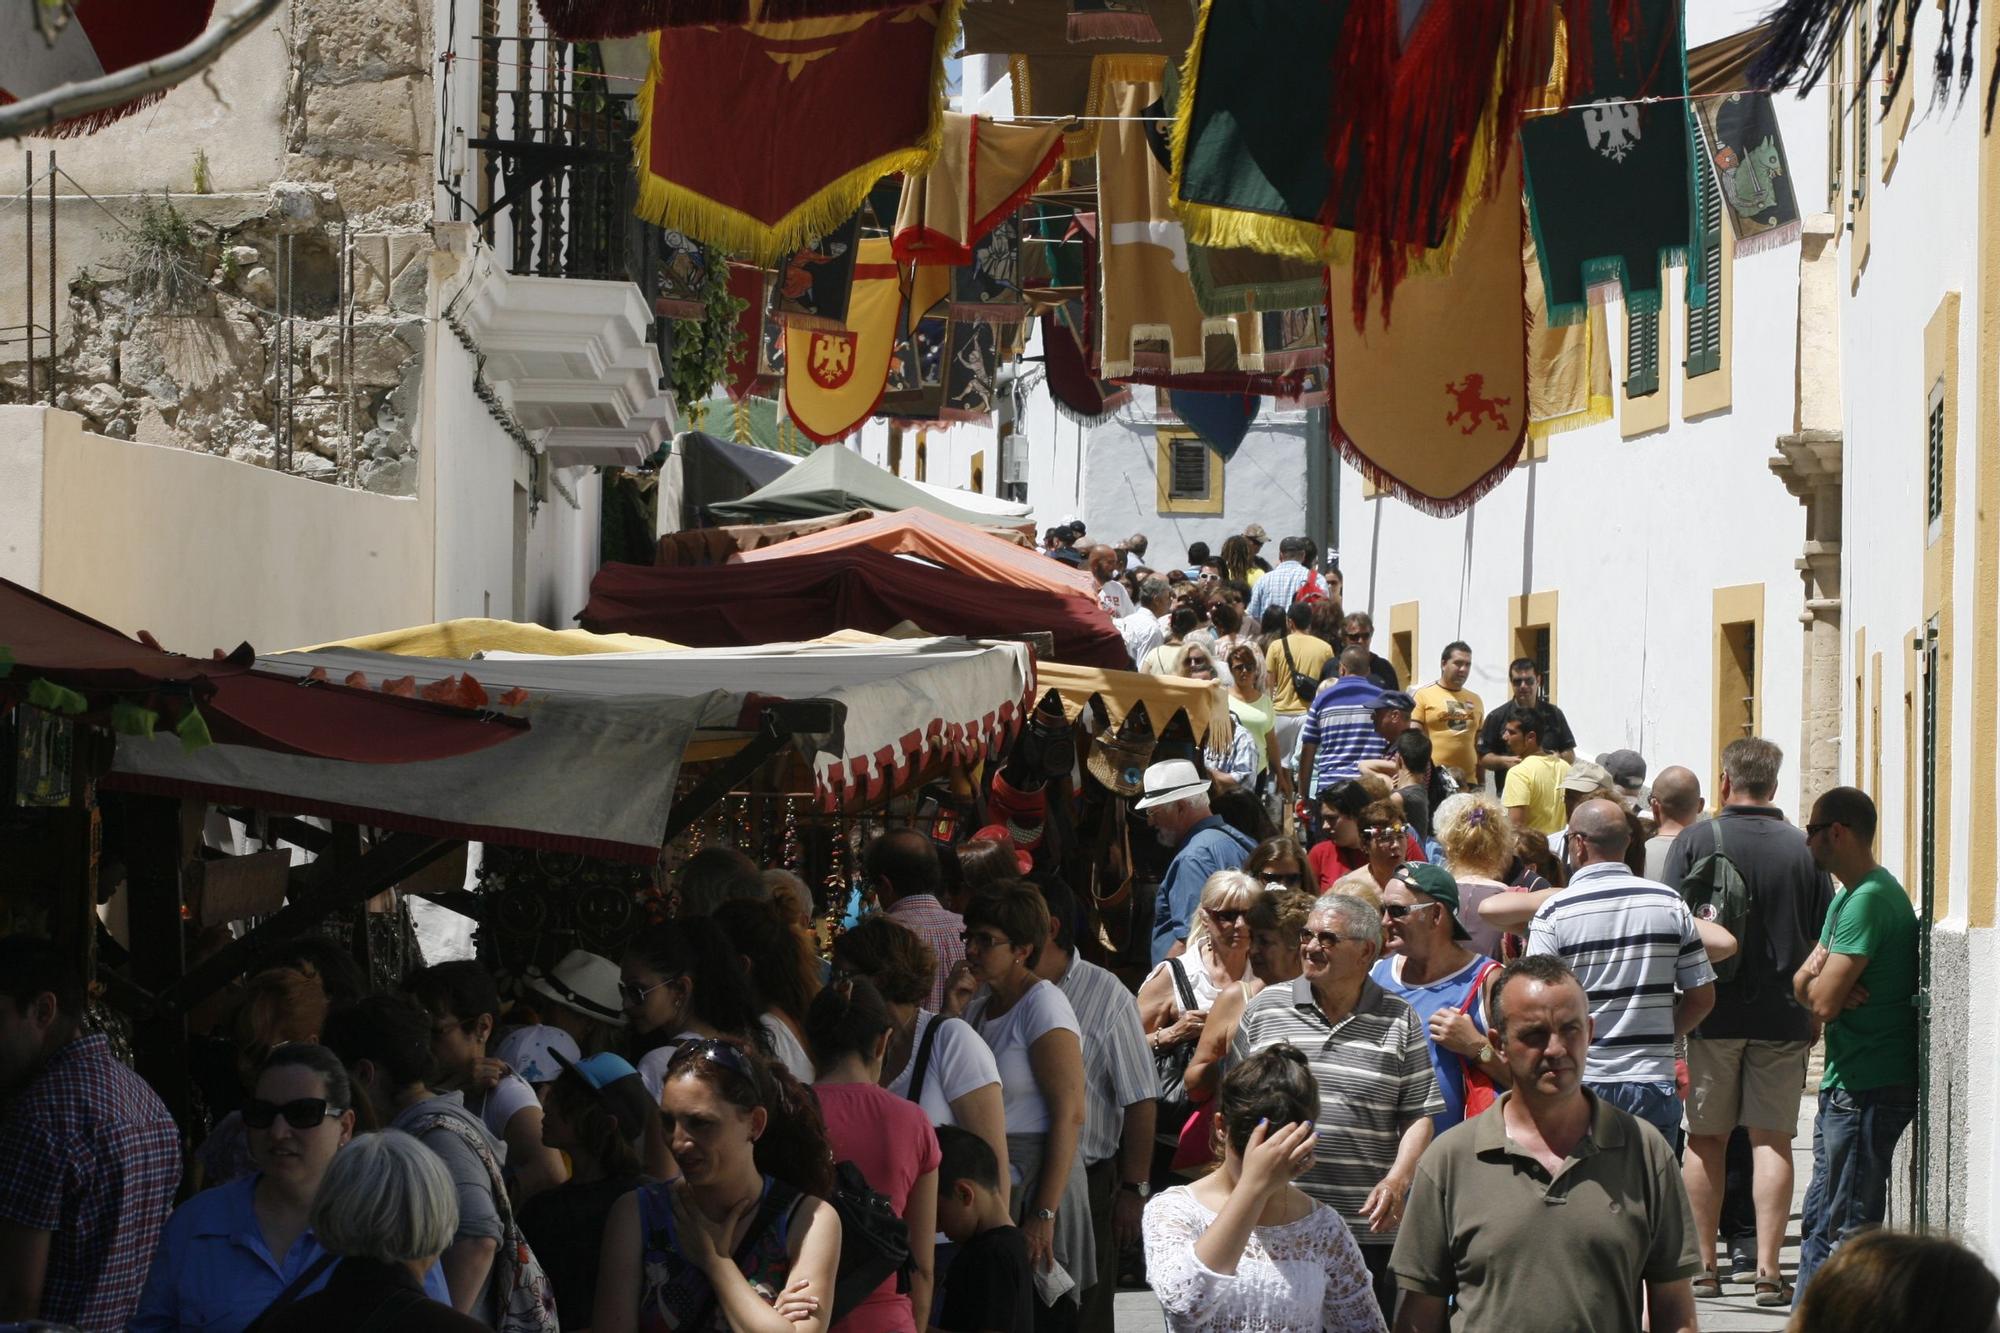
1750 872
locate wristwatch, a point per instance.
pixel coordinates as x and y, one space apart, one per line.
1485 1055
1142 1188
1045 1214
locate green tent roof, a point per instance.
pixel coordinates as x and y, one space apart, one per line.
833 479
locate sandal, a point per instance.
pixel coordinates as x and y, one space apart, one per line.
1773 1291
1708 1286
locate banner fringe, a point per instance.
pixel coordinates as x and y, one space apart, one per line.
1773 238
1108 27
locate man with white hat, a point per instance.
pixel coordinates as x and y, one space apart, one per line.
1175 802
581 994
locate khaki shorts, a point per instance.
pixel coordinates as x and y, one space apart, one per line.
1757 1084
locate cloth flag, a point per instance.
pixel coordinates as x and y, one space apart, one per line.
1061 85
595 20
1147 294
983 172
835 377
749 285
1569 365
813 284
1078 394
1610 196
1222 419
683 272
1042 27
1740 134
989 288
94 38
972 363
757 138
1433 407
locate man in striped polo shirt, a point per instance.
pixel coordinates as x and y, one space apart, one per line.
1633 944
1340 727
1371 1056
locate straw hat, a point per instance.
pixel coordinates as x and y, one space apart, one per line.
584 983
1118 759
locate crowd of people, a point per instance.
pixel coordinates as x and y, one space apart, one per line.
1449 976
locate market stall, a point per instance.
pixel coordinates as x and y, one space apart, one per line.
942 541
835 479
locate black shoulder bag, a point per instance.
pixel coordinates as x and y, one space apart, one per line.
921 1064
1170 1067
1302 685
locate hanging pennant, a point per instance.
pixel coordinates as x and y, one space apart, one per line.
1740 134
92 38
1096 19
1042 27
988 288
983 172
813 283
1569 365
1222 419
683 273
834 378
1078 394
1609 180
972 364
1433 408
756 138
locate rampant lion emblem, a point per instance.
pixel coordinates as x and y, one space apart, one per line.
1472 404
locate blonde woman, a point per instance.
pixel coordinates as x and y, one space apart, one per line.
1478 841
1276 919
1175 1000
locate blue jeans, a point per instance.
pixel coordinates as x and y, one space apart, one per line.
1658 1104
1854 1140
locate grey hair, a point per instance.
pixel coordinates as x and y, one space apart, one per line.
1153 587
386 1197
1751 764
1357 919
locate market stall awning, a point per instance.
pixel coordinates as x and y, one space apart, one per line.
240 704
832 480
945 542
715 471
859 588
597 773
1205 702
470 636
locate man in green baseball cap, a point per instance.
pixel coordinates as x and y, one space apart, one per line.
1425 964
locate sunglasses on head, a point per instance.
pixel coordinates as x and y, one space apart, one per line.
1383 830
717 1052
301 1114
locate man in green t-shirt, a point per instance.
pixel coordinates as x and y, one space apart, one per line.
1861 981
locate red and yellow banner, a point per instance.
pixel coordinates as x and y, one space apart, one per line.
834 378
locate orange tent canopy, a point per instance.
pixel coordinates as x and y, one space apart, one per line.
943 541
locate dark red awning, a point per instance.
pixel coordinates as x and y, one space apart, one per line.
804 597
242 706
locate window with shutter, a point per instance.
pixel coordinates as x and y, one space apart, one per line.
1704 322
1190 474
1934 466
1190 470
1642 354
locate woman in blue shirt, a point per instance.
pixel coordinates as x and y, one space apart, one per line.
1428 966
228 1253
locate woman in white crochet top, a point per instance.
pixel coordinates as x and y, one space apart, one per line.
1242 1250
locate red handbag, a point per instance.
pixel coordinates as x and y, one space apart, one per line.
1480 1090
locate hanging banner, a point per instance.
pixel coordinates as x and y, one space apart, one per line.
749 285
813 283
91 38
1740 134
1433 407
983 172
1610 192
756 138
834 378
989 288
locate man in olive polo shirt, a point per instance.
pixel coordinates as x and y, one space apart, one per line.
1553 1208
1859 981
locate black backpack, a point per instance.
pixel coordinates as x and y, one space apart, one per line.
1714 890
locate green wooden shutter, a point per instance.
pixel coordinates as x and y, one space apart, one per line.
1642 354
1705 313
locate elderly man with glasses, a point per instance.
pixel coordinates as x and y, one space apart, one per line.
1372 1059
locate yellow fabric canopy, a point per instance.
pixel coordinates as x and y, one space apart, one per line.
1205 702
467 638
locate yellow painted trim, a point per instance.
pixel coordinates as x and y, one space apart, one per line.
1864 149
1983 851
1536 610
1740 604
1836 137
1859 657
1896 115
1641 416
1874 787
1911 759
1941 368
1164 438
1705 394
1403 644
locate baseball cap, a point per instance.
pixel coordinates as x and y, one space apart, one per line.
530 1051
1394 699
1435 882
1585 776
1255 532
1626 767
617 1084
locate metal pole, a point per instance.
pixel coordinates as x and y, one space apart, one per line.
52 275
28 264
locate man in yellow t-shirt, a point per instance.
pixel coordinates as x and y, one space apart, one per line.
1298 650
1533 791
1450 714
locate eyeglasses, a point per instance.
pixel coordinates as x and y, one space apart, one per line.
1327 939
1281 882
1224 916
634 993
1397 911
978 941
1383 830
717 1052
1814 830
301 1114
1355 636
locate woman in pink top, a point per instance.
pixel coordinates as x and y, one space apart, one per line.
888 1137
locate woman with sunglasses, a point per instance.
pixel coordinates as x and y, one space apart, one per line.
1037 1044
1275 920
1250 703
1386 838
1217 956
744 1241
681 980
1281 861
230 1252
